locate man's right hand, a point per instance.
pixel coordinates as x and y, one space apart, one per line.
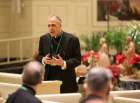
47 59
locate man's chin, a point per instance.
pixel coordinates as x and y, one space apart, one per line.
52 34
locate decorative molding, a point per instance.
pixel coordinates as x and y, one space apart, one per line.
4 19
62 11
42 13
81 14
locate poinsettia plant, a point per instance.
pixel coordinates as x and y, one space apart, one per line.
90 47
90 57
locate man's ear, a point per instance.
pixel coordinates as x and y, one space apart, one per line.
42 78
85 87
22 75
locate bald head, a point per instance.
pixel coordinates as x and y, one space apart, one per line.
33 73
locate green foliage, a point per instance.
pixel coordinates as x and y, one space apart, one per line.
137 43
134 32
108 37
116 38
91 41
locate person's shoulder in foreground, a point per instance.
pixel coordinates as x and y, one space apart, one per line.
92 99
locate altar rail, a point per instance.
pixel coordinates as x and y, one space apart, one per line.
17 49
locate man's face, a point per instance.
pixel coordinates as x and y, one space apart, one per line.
54 26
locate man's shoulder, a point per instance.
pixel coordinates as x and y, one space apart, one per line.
70 35
28 97
45 35
22 96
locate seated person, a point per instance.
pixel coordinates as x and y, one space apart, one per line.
98 82
33 75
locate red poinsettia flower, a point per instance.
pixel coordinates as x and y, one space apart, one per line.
89 56
119 58
96 56
85 56
135 59
115 70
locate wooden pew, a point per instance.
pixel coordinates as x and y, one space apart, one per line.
127 96
126 93
6 89
10 78
125 100
62 98
47 87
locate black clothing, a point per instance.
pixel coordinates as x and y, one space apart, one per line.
68 47
25 94
81 80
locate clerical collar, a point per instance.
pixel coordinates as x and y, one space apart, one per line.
58 36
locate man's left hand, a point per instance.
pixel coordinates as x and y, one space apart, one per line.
58 61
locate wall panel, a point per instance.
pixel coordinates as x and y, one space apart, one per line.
4 18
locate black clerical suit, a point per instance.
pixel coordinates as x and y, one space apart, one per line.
68 46
25 94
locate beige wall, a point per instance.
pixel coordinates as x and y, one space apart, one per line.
79 16
4 18
22 21
13 24
29 18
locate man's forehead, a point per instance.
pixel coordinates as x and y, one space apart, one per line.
53 20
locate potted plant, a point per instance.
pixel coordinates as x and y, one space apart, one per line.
134 32
116 38
116 41
91 44
91 41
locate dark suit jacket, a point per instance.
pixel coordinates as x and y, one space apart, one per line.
69 50
23 96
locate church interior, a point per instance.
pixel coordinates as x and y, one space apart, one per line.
109 35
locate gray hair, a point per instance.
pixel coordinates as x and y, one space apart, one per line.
57 18
97 78
33 73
